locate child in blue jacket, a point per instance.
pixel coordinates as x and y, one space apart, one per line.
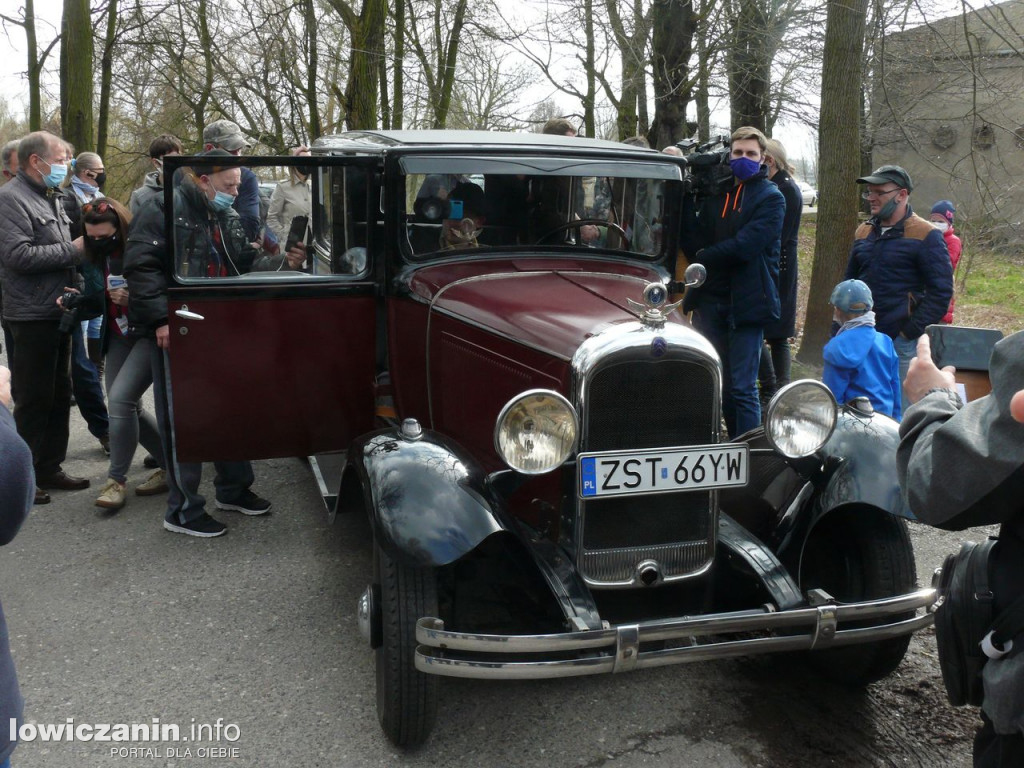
860 361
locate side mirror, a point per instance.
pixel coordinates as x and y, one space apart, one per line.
695 275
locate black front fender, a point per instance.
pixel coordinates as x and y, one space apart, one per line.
426 498
861 455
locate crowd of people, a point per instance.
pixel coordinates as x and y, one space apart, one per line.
84 300
85 297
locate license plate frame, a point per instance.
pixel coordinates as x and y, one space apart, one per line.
659 470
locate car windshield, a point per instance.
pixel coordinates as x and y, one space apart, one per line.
553 203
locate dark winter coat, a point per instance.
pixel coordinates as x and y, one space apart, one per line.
908 271
785 326
736 237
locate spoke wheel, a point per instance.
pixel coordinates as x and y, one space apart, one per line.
855 555
406 698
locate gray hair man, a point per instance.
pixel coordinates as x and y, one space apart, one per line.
38 260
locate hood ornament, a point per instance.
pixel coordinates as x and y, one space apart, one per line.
654 311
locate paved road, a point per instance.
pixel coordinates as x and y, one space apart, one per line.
114 620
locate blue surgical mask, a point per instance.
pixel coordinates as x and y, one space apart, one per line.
744 168
58 172
221 201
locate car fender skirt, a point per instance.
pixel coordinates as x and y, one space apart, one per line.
425 497
861 455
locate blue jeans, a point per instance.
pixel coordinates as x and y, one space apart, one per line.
184 502
906 350
740 351
85 384
129 375
6 763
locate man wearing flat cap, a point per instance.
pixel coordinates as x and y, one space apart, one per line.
226 135
903 260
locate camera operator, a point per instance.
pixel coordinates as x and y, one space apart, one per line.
735 234
962 466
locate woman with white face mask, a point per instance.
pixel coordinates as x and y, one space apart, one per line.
942 219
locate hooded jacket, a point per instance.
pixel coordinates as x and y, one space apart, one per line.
736 236
152 186
907 269
861 362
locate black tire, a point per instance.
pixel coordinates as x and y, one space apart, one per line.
860 554
406 698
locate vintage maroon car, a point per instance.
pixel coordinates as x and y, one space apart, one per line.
483 336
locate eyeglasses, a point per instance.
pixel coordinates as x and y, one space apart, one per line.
867 195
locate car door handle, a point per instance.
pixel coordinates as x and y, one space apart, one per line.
185 314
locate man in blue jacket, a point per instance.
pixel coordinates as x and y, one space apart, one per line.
736 236
904 261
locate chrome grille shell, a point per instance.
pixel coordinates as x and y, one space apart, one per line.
638 387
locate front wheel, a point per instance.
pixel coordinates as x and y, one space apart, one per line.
406 698
855 555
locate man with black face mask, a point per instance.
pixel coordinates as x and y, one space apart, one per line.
903 260
736 236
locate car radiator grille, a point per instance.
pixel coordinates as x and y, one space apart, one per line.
639 405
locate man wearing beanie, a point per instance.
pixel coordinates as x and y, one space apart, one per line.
903 260
942 220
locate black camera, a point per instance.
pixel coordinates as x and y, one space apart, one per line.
69 301
708 170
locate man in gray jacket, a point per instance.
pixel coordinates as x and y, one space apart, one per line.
962 466
38 260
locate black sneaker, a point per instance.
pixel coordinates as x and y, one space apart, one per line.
203 526
149 462
248 503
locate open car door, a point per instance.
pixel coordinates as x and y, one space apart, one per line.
267 359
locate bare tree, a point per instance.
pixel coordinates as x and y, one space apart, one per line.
840 122
36 60
673 23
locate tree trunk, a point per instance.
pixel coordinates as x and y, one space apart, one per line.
35 66
312 71
590 100
837 166
76 75
749 59
106 74
362 87
398 90
673 25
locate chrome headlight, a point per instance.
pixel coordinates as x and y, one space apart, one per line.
536 431
801 418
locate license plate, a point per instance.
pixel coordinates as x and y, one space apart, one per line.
662 470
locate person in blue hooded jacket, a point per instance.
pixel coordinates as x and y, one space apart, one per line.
860 361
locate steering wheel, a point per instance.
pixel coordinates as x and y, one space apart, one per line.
579 223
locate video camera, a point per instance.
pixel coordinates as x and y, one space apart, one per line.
708 171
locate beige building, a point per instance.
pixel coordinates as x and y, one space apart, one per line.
949 107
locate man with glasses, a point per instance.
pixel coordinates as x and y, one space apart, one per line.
903 260
38 260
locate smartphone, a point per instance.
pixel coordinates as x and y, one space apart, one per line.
456 209
297 232
968 349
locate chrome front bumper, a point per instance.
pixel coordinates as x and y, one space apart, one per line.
617 649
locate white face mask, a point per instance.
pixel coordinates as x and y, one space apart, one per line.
942 226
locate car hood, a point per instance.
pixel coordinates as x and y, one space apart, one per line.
552 305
